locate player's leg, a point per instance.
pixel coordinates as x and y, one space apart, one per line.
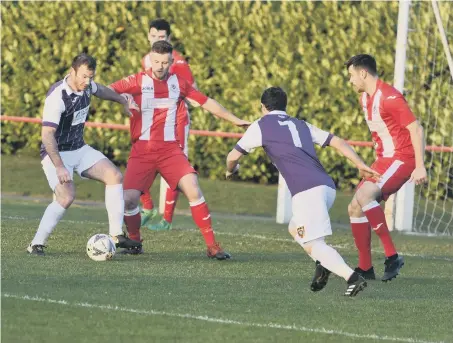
394 174
64 195
139 176
185 178
201 215
368 196
361 231
309 225
171 195
95 166
148 211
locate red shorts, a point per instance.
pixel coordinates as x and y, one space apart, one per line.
182 135
394 171
147 159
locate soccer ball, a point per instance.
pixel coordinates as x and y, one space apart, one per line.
101 247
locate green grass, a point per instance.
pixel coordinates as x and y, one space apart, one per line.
22 175
266 282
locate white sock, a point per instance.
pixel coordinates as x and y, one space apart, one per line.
330 259
299 240
52 215
114 202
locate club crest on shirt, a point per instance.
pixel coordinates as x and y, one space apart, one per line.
301 231
88 91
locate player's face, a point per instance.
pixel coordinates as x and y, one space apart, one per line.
82 77
160 64
155 35
357 78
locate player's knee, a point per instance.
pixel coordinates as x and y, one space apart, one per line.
131 200
308 246
189 186
65 198
354 209
367 193
114 177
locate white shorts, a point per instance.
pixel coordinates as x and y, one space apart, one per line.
78 160
311 213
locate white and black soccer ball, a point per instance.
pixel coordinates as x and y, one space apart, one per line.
101 247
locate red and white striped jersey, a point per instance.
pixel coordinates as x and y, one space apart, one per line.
181 68
158 101
387 115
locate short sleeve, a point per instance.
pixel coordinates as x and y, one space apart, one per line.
128 85
195 97
94 87
252 139
53 108
399 109
318 136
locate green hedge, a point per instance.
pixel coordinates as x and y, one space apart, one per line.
236 50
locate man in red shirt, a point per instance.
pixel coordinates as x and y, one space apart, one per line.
155 148
399 142
159 29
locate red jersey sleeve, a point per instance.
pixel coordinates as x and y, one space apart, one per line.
398 108
190 93
182 69
129 84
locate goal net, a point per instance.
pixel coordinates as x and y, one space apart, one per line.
429 91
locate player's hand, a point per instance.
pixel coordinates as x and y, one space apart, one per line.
367 172
242 123
229 175
129 104
419 176
63 175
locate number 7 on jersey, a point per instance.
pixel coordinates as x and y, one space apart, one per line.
294 133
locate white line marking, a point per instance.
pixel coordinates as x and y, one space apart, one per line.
292 327
252 236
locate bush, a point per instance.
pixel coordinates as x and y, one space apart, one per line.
236 50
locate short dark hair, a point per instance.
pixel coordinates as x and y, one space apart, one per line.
84 59
162 47
274 98
160 24
363 61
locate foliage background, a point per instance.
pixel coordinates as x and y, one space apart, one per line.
236 50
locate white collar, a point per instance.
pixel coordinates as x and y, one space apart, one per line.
69 89
278 112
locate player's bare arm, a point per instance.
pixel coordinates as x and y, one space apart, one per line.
51 146
419 174
221 112
232 163
106 93
347 151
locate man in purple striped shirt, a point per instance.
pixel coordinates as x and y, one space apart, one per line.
289 143
64 150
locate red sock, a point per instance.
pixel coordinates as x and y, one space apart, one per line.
133 221
146 200
170 204
361 231
376 217
202 218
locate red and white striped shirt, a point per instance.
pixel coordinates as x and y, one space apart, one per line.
387 115
181 68
158 101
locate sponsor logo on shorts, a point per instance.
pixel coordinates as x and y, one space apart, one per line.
301 231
